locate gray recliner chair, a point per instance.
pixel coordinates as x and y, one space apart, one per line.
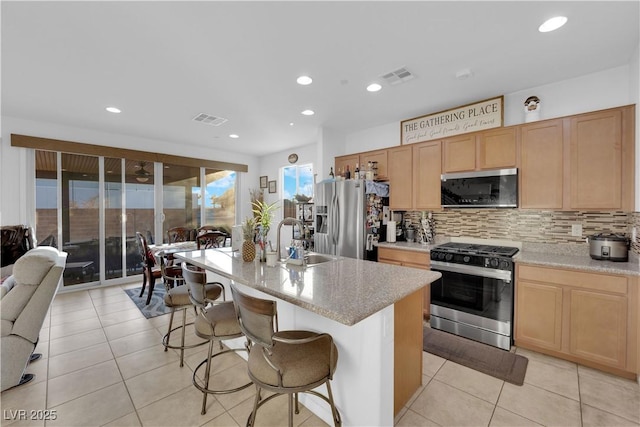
23 307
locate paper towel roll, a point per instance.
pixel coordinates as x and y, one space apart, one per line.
391 231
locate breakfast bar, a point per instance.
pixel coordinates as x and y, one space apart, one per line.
372 310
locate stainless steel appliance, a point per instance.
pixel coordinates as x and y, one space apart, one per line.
481 189
474 296
610 247
347 221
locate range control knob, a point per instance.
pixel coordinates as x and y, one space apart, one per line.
449 257
504 265
493 262
466 258
440 255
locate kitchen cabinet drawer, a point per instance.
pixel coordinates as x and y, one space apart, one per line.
579 279
418 259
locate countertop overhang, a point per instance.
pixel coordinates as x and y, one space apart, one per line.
345 290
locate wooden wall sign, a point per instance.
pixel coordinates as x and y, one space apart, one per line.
482 115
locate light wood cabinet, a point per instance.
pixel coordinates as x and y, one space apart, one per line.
407 349
426 175
589 318
542 165
459 153
492 149
379 156
413 259
596 160
400 172
342 162
497 148
539 318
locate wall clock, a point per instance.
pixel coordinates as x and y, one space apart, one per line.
293 158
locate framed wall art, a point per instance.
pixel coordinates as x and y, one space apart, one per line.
263 181
272 186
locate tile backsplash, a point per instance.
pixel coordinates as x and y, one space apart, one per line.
529 226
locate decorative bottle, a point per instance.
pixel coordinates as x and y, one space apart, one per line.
347 173
356 172
331 174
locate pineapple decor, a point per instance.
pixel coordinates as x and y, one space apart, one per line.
248 246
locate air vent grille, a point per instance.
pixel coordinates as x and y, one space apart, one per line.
208 119
398 76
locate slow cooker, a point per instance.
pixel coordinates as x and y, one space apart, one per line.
610 247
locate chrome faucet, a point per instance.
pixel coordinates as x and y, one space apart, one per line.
287 221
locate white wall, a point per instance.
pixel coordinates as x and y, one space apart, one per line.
271 166
597 91
17 164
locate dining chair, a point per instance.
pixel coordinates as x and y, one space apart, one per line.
211 239
215 322
179 234
284 362
150 271
177 298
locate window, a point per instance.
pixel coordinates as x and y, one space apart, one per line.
297 181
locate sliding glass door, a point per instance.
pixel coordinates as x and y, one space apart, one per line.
91 207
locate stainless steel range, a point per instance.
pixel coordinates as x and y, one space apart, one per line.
474 297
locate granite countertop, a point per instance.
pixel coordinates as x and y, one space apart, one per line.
572 256
408 246
579 262
345 290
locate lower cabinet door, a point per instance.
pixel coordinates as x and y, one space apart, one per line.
539 315
598 327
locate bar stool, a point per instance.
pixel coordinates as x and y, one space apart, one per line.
177 298
284 362
215 322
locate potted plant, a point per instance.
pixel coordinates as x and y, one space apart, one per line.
248 245
263 213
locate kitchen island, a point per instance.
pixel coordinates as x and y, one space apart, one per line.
372 310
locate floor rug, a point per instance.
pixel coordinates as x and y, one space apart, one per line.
492 361
156 306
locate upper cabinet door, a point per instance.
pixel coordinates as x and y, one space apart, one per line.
596 160
400 177
541 165
459 153
426 175
497 148
379 156
343 161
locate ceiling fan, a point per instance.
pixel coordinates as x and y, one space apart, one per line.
142 175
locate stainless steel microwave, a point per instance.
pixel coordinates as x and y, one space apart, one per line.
481 189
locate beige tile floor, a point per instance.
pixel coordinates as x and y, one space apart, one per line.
103 365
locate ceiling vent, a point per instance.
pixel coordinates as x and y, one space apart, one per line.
398 76
209 119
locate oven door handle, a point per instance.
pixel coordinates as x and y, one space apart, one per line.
471 270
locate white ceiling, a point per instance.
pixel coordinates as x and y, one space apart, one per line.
162 63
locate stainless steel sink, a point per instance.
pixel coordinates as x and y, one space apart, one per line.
315 259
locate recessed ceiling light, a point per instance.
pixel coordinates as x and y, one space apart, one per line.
308 112
233 135
304 80
374 87
291 124
552 24
113 110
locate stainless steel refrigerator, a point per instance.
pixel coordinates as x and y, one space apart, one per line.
346 220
